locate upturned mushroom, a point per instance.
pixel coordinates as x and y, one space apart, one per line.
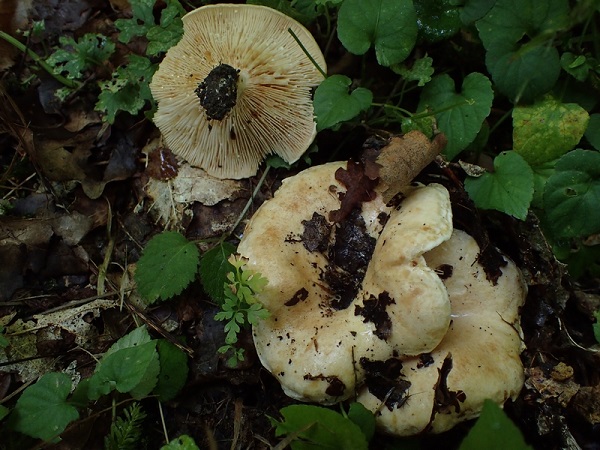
386 301
236 88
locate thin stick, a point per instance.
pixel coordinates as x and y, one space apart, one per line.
251 199
312 60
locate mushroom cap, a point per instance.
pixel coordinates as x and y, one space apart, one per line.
483 341
314 348
273 112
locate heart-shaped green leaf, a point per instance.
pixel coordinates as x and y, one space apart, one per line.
508 189
334 104
460 114
388 25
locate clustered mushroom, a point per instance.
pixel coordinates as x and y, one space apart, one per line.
383 301
236 88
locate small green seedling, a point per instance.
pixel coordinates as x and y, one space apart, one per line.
241 307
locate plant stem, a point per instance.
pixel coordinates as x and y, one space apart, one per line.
312 60
43 64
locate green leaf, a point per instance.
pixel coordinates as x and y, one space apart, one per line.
508 189
183 442
168 264
592 133
173 370
474 10
3 341
596 327
493 431
421 71
318 427
170 30
523 71
364 418
214 267
128 90
578 66
74 58
388 25
572 195
303 11
42 411
333 104
459 115
139 24
437 19
541 173
547 129
133 370
3 411
134 338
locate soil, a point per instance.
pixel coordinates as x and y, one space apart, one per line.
82 198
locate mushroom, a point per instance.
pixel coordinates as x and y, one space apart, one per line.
388 302
329 310
478 359
236 88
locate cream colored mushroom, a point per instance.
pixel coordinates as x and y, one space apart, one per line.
478 358
236 88
316 341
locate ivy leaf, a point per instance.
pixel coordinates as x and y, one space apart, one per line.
437 19
547 129
214 267
42 411
460 114
318 426
334 104
523 71
592 133
168 264
572 195
389 25
508 189
491 424
173 370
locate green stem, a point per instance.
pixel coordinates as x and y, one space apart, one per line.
312 60
43 64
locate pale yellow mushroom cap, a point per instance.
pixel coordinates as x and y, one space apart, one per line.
273 111
314 349
483 342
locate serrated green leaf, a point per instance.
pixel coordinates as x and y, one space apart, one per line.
592 133
572 195
425 125
42 411
437 19
183 442
75 57
173 370
523 71
508 189
491 424
388 25
362 417
333 103
214 268
139 24
460 114
547 129
133 370
319 427
168 264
